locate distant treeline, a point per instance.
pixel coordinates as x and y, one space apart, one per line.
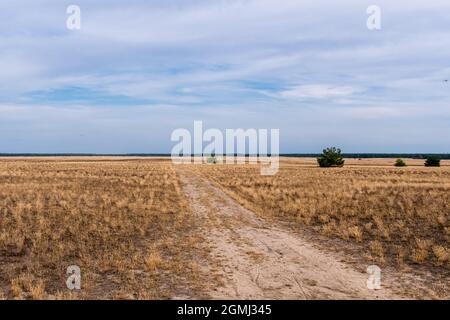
445 156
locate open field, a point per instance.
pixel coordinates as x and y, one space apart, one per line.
124 223
142 228
398 215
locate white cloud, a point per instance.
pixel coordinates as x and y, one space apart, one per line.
319 91
295 59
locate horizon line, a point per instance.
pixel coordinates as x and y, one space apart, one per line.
293 154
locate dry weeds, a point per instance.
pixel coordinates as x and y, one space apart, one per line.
397 216
126 224
123 222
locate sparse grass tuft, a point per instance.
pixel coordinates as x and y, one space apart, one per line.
153 261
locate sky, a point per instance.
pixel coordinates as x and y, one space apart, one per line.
137 70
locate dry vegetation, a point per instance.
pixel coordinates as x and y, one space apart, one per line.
124 222
397 216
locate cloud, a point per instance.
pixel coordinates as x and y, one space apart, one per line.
319 92
252 62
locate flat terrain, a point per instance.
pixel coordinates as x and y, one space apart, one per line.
258 260
124 223
142 228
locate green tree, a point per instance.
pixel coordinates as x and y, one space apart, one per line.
433 162
400 163
331 157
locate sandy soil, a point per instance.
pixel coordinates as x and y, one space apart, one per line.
257 260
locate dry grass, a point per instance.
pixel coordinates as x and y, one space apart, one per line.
126 224
123 222
396 215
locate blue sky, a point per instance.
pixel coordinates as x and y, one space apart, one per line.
137 70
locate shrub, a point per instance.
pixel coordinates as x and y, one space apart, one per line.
400 163
433 162
331 157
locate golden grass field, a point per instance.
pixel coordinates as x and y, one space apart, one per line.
396 215
127 223
124 223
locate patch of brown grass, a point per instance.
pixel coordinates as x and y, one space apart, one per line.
394 215
124 223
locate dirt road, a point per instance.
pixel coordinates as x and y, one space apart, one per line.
257 260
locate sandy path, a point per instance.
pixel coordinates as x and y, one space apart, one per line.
256 260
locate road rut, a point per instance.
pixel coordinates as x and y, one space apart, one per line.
257 260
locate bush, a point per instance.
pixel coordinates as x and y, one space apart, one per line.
331 157
433 162
400 163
